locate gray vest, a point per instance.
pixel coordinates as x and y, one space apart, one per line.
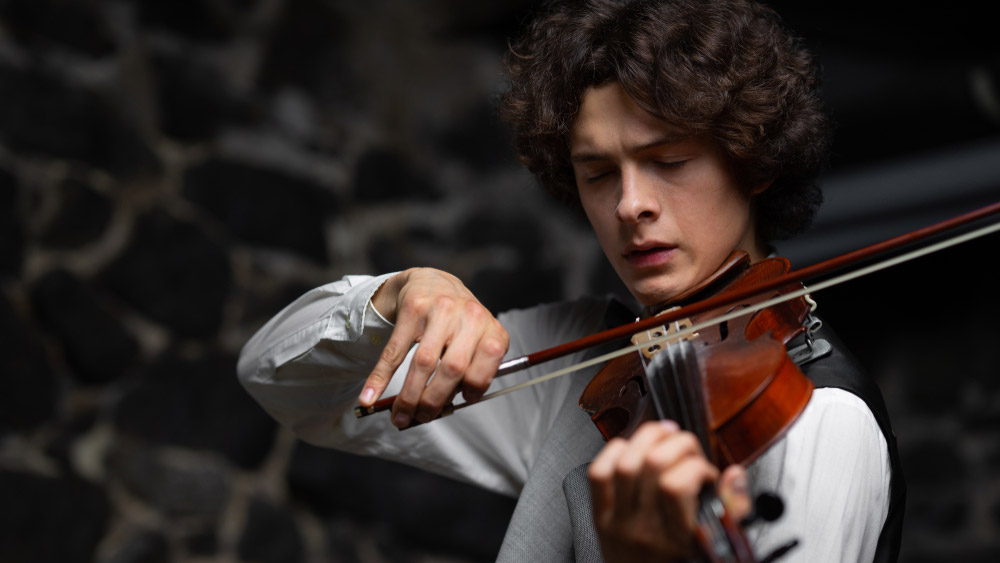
540 528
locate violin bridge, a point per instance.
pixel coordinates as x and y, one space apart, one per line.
652 341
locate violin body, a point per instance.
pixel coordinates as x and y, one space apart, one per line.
752 389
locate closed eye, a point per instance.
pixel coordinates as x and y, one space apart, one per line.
674 164
597 177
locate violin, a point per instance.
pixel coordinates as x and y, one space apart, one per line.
732 385
617 397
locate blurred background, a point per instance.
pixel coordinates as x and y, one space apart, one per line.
174 172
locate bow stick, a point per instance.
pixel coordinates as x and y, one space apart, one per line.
729 298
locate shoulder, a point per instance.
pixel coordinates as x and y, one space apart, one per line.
833 471
838 448
843 420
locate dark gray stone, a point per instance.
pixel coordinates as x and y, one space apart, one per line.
412 507
342 541
936 514
173 273
188 486
12 236
60 446
995 512
934 463
264 207
50 519
305 50
966 552
204 543
31 395
97 345
67 24
195 99
392 549
415 247
193 19
502 289
259 305
148 546
478 139
493 23
83 216
270 535
58 119
383 175
197 403
485 228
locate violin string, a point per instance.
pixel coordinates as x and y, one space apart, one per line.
750 309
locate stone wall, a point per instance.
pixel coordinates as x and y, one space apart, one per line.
174 172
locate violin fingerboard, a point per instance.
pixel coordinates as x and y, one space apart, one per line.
675 386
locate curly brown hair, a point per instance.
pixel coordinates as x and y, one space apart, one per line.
724 68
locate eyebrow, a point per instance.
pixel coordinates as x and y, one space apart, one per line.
663 140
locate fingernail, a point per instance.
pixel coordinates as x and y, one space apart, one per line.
739 485
669 425
367 395
401 420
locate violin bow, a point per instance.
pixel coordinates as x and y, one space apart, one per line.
730 298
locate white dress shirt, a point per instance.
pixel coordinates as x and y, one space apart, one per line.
307 365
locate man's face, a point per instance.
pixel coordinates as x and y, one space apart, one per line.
664 205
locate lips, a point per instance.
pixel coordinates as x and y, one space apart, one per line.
646 254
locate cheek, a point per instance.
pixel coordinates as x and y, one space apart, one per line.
593 208
728 205
602 222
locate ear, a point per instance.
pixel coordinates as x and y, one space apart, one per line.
761 187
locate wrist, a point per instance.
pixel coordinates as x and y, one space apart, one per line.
385 297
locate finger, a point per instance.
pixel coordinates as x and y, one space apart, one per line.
403 337
661 457
440 325
648 436
451 369
679 489
671 449
485 362
600 474
634 472
734 492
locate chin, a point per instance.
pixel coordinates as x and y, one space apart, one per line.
651 296
655 291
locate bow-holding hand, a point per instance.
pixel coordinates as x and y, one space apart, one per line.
459 342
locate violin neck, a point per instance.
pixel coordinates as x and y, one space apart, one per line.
676 390
718 536
675 387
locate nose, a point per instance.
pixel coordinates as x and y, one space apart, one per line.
638 201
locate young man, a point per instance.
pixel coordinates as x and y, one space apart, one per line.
685 130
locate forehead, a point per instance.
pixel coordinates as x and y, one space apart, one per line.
610 119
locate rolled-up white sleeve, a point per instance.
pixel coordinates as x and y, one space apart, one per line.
832 471
307 365
328 337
